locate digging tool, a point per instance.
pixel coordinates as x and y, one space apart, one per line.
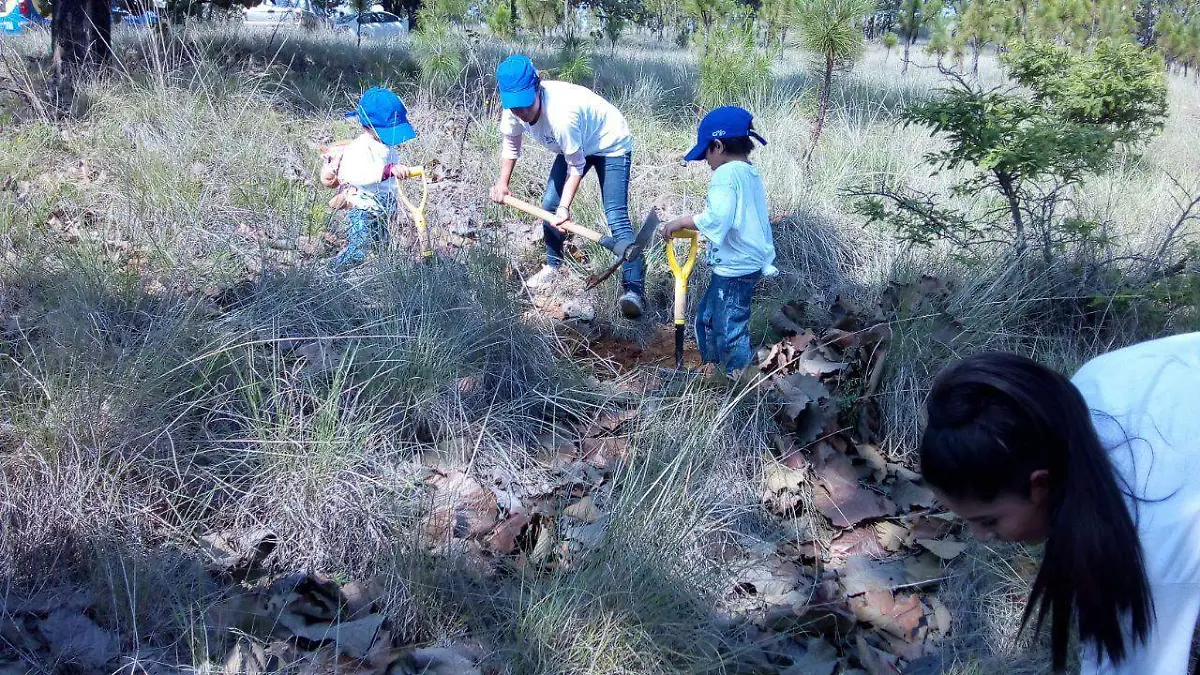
569 226
418 211
631 251
681 274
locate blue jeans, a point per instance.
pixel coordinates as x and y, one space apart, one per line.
613 174
366 229
723 321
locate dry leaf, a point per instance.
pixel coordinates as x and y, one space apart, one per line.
946 549
441 661
604 453
473 508
806 405
584 509
860 574
820 658
504 538
246 658
609 421
359 597
923 570
873 660
891 535
842 500
900 617
874 459
942 619
780 477
860 541
908 495
929 527
350 638
72 637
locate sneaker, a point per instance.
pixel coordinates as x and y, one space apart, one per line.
632 305
544 278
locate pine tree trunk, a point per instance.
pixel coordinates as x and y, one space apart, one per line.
907 46
80 35
823 109
975 60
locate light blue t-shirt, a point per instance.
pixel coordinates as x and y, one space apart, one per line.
735 222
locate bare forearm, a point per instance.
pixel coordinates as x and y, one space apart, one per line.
506 171
570 187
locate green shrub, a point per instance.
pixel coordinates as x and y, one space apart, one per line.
732 68
575 61
438 54
500 20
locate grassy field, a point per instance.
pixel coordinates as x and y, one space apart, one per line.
175 362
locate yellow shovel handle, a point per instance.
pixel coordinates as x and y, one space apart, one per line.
682 272
418 211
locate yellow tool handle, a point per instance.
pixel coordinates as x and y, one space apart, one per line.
415 171
682 272
543 214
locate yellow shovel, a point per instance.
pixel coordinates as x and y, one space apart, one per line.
681 274
418 211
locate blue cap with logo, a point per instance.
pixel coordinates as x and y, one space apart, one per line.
517 80
726 122
382 111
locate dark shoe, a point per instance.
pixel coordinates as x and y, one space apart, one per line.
632 305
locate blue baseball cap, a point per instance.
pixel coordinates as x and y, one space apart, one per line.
517 80
382 111
726 122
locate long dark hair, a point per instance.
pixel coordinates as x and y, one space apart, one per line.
993 420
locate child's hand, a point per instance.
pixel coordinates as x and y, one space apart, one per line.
498 193
329 175
401 172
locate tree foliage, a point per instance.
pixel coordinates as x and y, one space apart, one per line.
830 30
1027 147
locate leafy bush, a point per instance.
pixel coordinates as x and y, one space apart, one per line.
500 20
732 68
575 61
1029 150
438 54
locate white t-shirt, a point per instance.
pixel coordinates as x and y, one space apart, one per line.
1146 409
735 222
362 164
576 123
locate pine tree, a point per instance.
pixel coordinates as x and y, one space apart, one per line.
914 15
980 27
939 38
832 31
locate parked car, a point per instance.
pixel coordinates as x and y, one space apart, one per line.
374 25
17 16
286 14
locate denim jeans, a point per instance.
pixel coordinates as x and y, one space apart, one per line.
366 229
613 174
723 321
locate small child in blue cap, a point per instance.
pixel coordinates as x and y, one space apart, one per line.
365 172
735 224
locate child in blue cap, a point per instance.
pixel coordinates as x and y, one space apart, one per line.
735 225
585 132
365 171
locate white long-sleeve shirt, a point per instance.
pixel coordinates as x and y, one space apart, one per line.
735 222
1146 409
576 123
363 162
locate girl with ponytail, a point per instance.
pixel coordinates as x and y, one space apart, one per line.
1105 469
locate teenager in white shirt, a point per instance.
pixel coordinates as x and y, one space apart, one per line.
586 133
735 225
1105 469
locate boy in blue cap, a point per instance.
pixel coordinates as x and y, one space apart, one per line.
736 226
366 170
585 132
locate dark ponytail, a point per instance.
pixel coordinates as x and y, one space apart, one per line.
993 420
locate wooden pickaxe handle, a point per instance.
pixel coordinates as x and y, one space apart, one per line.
538 212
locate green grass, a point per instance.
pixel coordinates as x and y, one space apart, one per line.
165 372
